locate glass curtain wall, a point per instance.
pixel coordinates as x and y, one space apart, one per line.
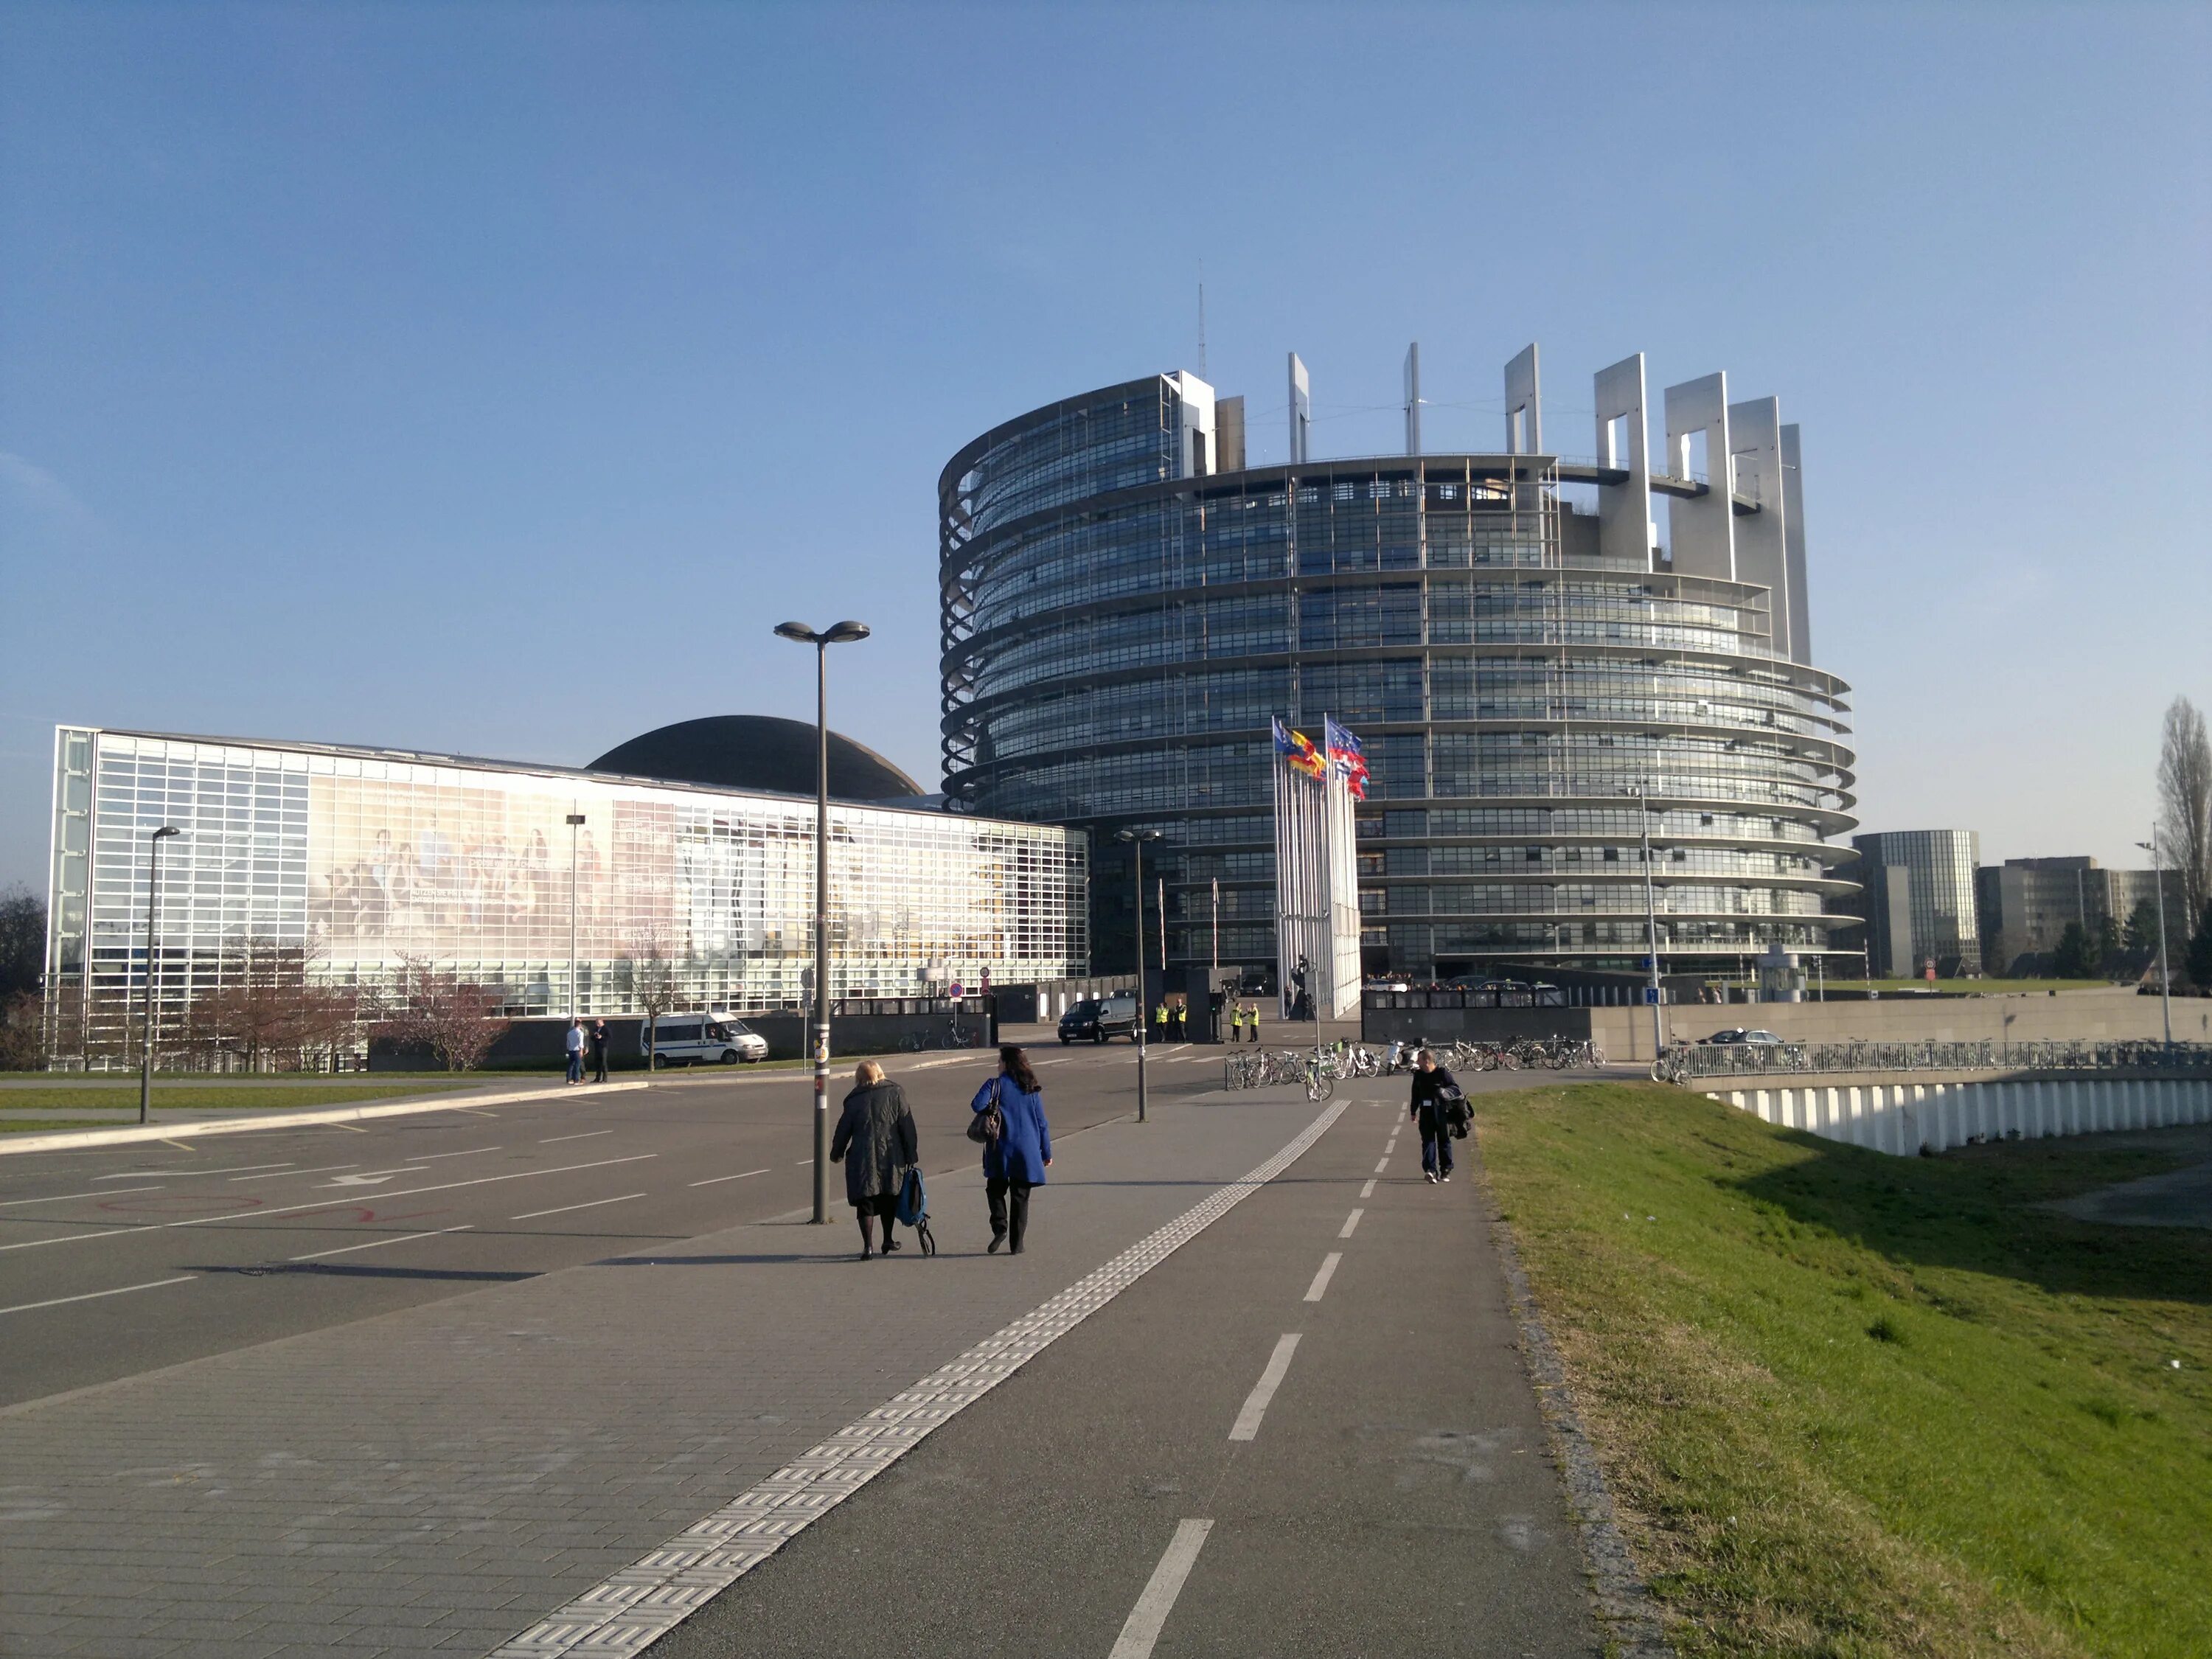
1114 659
354 864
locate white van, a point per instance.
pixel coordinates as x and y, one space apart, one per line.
693 1039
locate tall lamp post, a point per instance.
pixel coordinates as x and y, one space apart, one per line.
2165 975
575 823
153 909
843 633
1642 791
1137 838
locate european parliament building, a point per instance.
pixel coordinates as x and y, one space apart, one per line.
1124 604
351 864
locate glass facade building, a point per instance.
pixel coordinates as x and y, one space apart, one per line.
1125 605
355 862
1938 867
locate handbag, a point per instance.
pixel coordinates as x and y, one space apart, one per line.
989 1124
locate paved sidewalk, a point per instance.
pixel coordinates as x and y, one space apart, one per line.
438 1479
1311 1432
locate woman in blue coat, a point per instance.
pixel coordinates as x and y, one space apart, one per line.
1017 1157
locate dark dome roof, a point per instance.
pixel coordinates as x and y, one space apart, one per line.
756 751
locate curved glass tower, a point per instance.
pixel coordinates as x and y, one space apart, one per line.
1124 604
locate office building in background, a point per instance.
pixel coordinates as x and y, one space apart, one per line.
2026 904
1935 868
1127 603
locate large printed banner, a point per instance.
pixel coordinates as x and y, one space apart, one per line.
480 874
1317 872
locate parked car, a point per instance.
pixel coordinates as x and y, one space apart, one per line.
693 1039
1738 1034
1389 982
1094 1020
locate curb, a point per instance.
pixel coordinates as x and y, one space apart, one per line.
1634 1626
66 1140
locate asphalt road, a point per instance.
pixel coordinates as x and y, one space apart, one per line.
117 1260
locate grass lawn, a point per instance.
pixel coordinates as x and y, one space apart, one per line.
214 1097
1852 1404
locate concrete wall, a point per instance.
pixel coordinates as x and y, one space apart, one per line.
1903 1118
2115 1015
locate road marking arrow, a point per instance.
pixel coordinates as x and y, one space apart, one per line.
357 1181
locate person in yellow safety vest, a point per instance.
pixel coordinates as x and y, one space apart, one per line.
1160 1020
1237 1021
1252 1019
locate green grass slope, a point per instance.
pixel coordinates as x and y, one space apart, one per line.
1853 1404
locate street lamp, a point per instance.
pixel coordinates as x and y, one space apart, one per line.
153 907
1137 838
2164 976
576 822
1642 791
843 633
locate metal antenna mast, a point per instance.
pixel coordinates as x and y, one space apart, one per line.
1201 320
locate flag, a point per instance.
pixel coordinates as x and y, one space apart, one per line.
1346 753
1298 749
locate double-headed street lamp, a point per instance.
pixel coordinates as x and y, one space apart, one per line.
153 908
843 633
1137 838
2164 978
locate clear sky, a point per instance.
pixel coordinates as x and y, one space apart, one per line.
490 378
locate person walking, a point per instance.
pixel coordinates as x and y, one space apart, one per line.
877 1131
571 1040
600 1050
1017 1156
1437 1108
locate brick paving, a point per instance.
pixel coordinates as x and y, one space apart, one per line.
439 1480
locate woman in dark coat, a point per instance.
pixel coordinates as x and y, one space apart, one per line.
1017 1159
1433 1112
877 1130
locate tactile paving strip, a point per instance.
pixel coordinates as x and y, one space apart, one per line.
636 1607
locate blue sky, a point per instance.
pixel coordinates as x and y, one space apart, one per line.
490 378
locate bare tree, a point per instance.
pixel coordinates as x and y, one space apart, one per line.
2184 803
653 986
456 1020
22 940
21 1048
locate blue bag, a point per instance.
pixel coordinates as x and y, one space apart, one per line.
912 1202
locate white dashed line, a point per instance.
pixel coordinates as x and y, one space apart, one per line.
1246 1426
94 1296
565 1208
716 1180
1350 1222
125 1175
63 1198
379 1243
1150 1613
1368 1191
429 1157
1382 1166
1319 1288
585 1135
295 1209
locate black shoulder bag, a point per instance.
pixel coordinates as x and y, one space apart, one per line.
989 1124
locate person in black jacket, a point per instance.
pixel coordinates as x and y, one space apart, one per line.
877 1130
597 1044
1437 1102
